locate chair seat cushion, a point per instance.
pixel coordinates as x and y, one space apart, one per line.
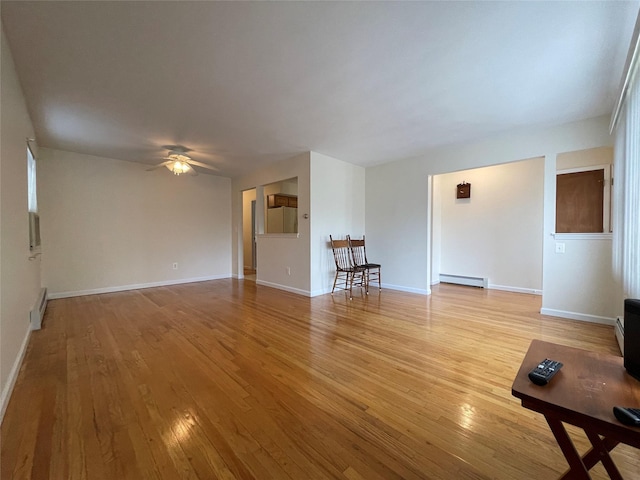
356 269
371 265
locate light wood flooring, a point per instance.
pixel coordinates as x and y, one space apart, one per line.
228 379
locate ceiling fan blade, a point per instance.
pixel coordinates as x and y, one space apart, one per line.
192 172
200 164
159 165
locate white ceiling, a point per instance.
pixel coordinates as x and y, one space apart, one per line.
244 83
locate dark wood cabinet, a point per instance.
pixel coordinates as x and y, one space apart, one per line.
282 200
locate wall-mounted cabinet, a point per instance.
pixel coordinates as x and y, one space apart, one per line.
282 200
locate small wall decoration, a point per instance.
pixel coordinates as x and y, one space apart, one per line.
463 190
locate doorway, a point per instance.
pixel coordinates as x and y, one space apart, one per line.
494 237
249 232
254 231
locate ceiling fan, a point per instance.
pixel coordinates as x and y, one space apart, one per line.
179 162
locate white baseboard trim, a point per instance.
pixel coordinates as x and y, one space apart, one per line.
322 291
286 288
584 317
123 288
400 288
507 288
13 375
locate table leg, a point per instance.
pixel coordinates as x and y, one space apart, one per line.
593 456
601 449
577 469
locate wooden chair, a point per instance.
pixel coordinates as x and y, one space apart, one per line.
346 272
359 258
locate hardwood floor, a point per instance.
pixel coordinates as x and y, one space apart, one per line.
228 379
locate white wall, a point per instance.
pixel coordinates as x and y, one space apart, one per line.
109 225
497 233
396 195
337 209
586 264
579 283
19 277
585 158
331 192
276 252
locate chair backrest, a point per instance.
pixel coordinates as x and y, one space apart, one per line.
358 251
341 253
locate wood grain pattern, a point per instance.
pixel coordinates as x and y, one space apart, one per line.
226 379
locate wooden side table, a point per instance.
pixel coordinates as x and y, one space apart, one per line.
583 393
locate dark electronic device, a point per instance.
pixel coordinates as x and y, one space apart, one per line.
544 372
628 416
632 337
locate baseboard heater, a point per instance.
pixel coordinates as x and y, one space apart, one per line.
619 330
37 312
482 282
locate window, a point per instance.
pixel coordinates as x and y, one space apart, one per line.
32 202
31 179
583 200
627 200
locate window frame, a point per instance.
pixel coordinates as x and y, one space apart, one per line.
32 181
35 241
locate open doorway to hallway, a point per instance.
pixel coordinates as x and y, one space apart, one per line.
249 234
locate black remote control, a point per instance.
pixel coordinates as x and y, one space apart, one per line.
544 372
628 416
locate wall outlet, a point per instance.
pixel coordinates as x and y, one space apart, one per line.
175 265
559 247
288 270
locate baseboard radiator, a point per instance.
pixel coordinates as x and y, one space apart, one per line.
619 330
37 312
482 282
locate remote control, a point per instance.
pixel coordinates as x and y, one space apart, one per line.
544 372
628 416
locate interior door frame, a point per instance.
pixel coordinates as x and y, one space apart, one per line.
254 247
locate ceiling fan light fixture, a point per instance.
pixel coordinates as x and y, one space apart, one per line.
178 167
179 163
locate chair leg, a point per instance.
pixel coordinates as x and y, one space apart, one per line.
334 283
376 278
351 286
